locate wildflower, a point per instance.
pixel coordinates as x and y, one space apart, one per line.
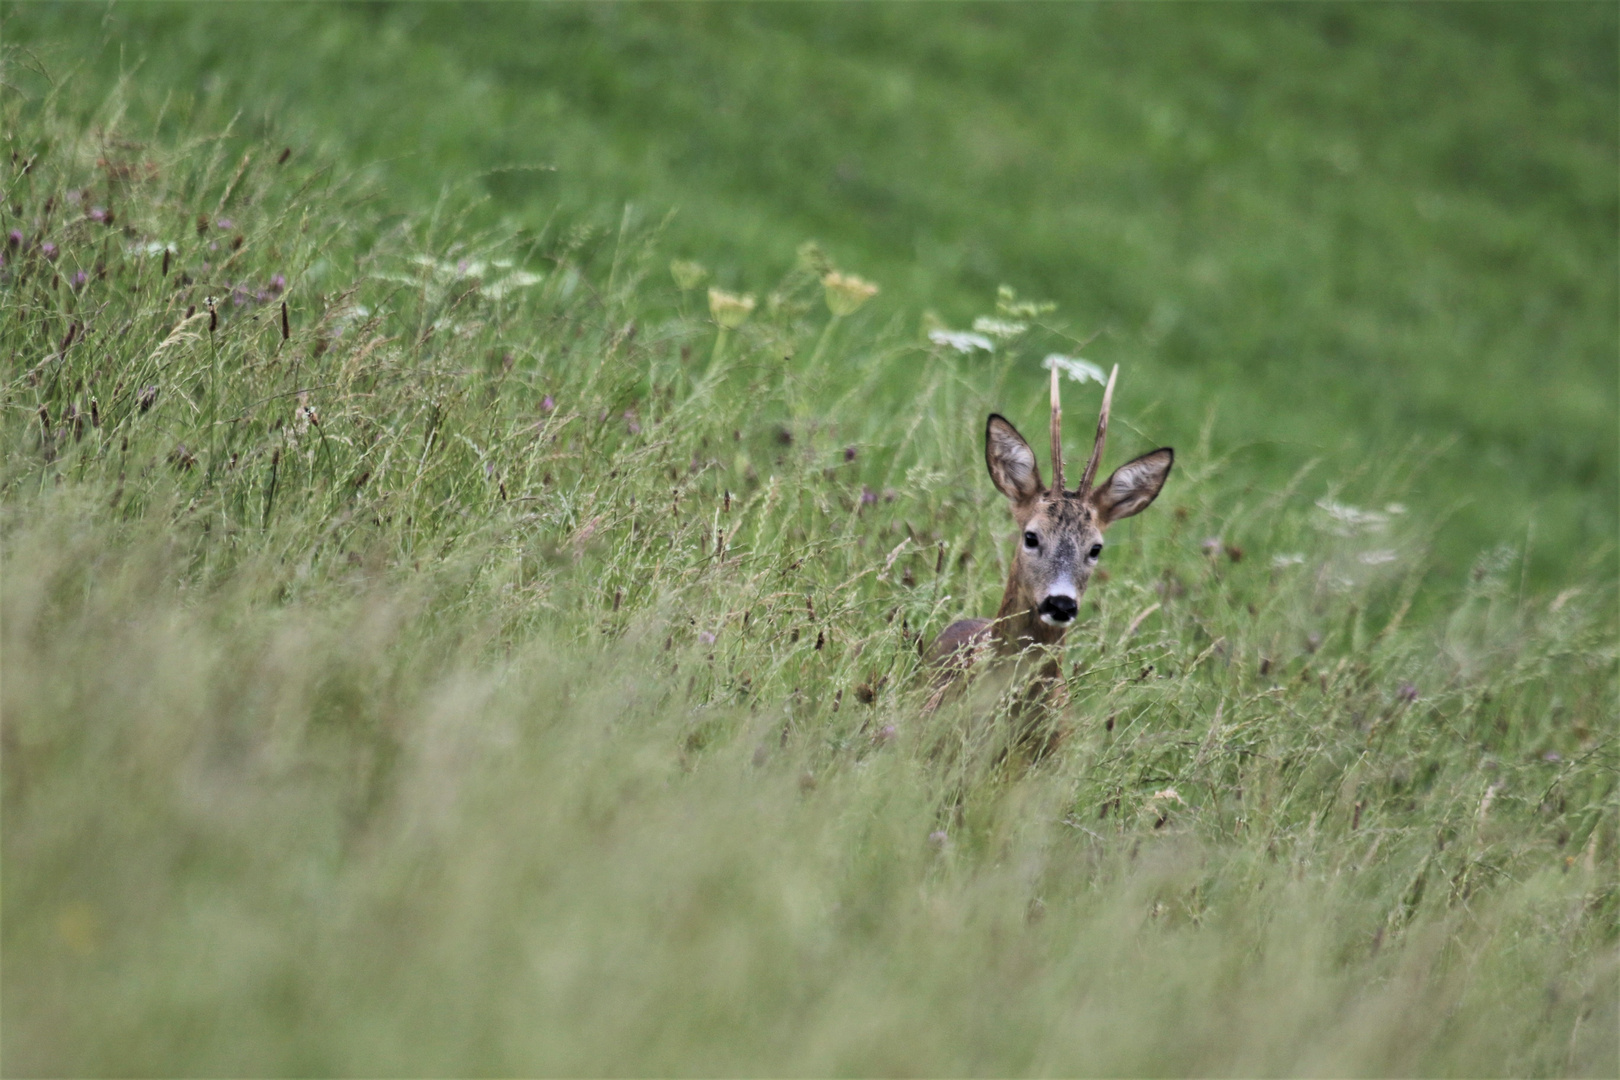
100 214
79 278
147 397
729 309
548 404
48 250
938 839
1001 328
868 496
885 735
705 637
1008 304
961 340
278 284
849 453
14 238
846 293
1211 546
688 275
1407 692
227 224
1075 368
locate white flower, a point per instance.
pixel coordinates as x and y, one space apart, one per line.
1075 368
1001 328
846 293
961 340
729 309
1290 559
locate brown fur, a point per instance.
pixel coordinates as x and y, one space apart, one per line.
1067 526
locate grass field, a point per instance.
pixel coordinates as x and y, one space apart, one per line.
432 645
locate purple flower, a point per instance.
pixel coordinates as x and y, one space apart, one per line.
15 238
99 213
226 223
548 403
705 637
849 453
868 496
278 284
79 278
262 296
48 249
1407 692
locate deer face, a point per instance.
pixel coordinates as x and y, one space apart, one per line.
1061 532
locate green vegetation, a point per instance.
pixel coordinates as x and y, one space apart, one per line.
431 644
1335 231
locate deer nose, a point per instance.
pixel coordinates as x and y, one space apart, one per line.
1059 608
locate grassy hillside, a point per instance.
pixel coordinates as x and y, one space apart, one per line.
1328 232
430 644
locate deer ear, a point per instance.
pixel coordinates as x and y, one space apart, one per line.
1133 487
1010 460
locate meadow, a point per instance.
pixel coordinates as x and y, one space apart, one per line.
438 635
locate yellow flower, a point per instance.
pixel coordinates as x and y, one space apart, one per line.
729 309
846 292
688 275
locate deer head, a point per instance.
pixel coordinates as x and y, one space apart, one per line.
1061 532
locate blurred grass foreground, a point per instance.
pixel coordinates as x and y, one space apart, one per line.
432 647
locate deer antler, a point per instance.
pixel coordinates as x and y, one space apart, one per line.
1102 435
1057 435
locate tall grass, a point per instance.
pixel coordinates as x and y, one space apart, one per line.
482 670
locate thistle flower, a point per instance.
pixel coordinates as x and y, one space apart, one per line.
688 275
1075 368
846 293
729 309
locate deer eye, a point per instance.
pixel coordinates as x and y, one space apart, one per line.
1031 540
1096 550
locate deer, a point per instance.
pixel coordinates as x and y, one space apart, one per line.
1059 545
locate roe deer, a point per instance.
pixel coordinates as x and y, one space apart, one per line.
1061 539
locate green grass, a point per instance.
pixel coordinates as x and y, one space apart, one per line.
498 673
1333 231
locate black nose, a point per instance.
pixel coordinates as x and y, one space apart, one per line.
1061 608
